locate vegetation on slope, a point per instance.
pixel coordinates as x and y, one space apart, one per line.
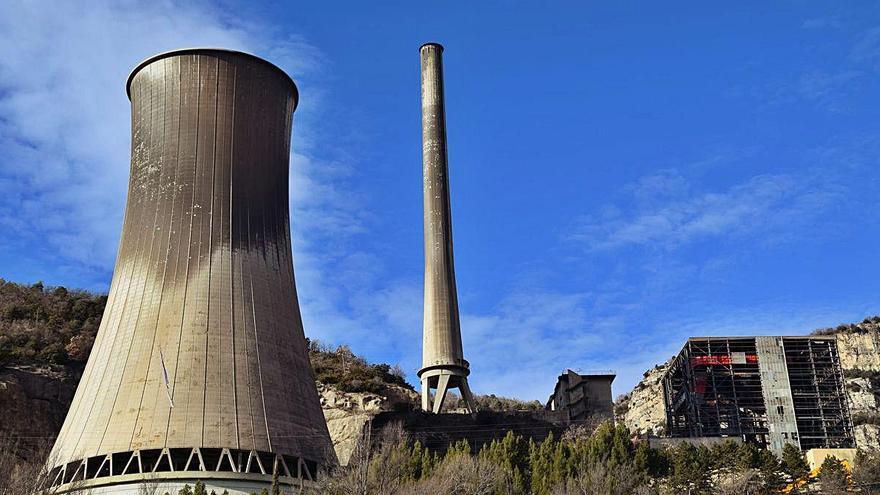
349 372
869 324
601 462
47 325
42 325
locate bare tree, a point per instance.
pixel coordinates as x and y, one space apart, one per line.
149 486
740 482
599 479
379 466
25 476
463 474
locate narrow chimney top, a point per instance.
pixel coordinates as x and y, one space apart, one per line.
431 44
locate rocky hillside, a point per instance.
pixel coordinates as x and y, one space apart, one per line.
46 334
859 348
348 412
642 409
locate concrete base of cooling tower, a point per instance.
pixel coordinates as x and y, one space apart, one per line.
172 483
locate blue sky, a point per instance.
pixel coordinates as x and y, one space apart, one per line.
622 175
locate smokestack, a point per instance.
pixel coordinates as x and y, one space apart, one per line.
443 363
200 369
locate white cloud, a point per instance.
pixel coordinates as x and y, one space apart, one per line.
64 115
65 134
770 205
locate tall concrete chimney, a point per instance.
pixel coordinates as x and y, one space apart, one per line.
200 371
443 363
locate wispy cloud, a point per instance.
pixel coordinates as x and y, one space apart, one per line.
64 132
663 212
522 345
829 22
866 49
64 116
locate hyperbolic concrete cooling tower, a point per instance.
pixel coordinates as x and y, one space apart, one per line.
200 368
443 363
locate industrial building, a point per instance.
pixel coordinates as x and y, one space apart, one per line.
770 391
199 370
583 397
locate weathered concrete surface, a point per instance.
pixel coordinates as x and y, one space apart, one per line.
443 363
201 342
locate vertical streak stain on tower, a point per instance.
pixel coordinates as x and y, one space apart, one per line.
201 347
443 363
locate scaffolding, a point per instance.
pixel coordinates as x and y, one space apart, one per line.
713 389
817 390
720 387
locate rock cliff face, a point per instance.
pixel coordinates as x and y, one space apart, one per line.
347 413
642 410
33 403
859 349
858 345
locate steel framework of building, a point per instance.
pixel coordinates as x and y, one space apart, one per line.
766 390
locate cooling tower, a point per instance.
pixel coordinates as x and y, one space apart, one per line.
443 363
200 369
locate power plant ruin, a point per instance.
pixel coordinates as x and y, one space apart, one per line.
771 391
443 363
200 369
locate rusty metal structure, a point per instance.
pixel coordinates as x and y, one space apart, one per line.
443 363
200 369
771 391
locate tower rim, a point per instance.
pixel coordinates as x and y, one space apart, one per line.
464 369
205 51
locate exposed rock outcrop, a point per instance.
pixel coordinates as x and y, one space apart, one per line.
347 413
643 410
859 351
33 403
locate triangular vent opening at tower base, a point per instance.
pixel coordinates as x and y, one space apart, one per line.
103 468
149 459
291 464
73 472
179 458
311 470
268 461
211 457
164 463
118 462
239 458
225 464
195 461
92 465
54 475
253 464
